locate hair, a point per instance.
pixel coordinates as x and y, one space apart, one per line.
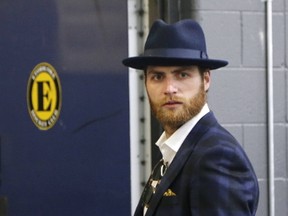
202 71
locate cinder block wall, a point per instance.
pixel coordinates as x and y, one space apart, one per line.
235 31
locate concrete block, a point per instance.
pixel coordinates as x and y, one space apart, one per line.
280 95
223 35
232 5
238 95
280 152
278 5
286 36
286 99
263 199
286 144
281 188
254 40
236 131
255 144
254 47
279 38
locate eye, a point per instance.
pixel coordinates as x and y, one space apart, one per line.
183 75
157 76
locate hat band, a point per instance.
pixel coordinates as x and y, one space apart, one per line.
176 53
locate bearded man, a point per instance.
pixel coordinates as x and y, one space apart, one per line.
203 170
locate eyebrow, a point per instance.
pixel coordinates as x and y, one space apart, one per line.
176 70
183 68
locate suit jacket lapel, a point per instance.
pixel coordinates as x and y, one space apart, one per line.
180 159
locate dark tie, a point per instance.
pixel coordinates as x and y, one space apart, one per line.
154 180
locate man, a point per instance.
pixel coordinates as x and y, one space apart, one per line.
203 171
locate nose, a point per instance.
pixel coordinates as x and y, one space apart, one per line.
170 87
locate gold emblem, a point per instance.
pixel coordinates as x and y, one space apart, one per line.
169 192
44 96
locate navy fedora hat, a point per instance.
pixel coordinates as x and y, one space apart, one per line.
181 43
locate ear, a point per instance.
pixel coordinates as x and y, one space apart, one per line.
206 79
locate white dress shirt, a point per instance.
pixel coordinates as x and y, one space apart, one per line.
170 146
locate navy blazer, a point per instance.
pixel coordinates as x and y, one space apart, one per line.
209 176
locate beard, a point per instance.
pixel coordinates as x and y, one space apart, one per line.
173 119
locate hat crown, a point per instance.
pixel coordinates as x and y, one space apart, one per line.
181 43
186 34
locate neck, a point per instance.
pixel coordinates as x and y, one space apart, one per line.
169 131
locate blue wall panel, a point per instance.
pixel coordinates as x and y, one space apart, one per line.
80 166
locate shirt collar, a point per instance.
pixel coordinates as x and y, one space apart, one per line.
175 141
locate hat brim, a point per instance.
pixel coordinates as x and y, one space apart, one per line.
141 62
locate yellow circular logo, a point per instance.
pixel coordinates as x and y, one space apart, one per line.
44 96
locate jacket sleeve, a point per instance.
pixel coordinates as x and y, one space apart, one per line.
225 183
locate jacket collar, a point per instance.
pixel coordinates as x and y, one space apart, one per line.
181 157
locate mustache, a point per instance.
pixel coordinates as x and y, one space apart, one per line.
171 100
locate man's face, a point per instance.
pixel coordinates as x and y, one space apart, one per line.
176 93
